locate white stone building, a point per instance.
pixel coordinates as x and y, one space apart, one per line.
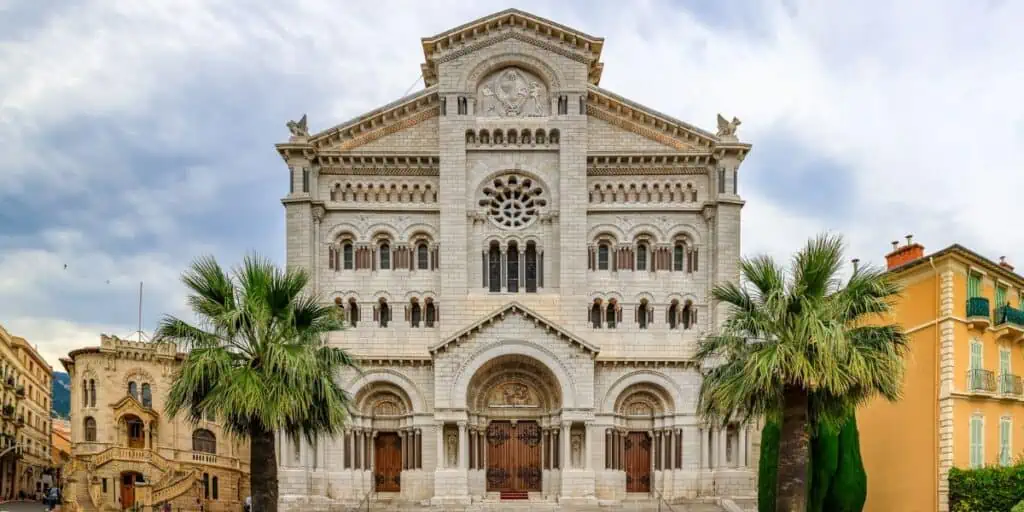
525 261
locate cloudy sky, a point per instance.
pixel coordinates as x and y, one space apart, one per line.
135 135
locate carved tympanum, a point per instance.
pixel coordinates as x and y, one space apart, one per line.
512 92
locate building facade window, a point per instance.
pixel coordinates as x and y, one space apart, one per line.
531 267
204 441
422 257
384 255
512 278
974 285
678 257
305 179
92 392
643 314
430 313
383 313
673 314
735 182
415 313
1001 296
595 314
90 429
611 314
641 256
721 180
353 313
347 256
494 267
603 256
147 396
133 390
977 441
216 493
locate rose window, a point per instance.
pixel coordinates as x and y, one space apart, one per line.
512 201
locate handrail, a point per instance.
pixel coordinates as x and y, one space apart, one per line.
366 498
661 499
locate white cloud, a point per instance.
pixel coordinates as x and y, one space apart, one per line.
918 101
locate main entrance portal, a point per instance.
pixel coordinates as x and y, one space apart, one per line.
513 456
388 462
638 462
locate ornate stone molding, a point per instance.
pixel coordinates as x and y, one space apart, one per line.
379 122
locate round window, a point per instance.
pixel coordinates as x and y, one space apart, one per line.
512 201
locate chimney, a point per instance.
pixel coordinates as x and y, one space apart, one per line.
905 254
1005 264
856 264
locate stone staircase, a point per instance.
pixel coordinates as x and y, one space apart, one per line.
394 504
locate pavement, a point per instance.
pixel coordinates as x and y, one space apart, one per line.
22 506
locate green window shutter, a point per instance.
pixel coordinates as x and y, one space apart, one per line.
974 285
1000 296
1004 441
975 355
977 454
1004 361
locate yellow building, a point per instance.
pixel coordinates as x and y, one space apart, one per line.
963 403
125 452
24 418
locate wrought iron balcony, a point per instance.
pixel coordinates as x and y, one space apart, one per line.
1010 384
978 314
981 380
1009 322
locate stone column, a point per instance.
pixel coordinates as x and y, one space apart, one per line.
741 447
440 446
672 449
544 449
723 459
566 456
587 447
318 215
463 447
145 434
370 450
705 463
405 449
554 449
419 448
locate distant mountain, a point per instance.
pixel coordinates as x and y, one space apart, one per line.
61 395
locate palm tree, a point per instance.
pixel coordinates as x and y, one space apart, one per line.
258 360
804 347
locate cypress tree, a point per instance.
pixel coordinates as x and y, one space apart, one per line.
849 488
768 466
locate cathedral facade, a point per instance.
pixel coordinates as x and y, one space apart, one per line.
524 261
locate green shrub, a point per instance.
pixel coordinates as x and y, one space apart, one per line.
768 467
824 462
848 489
1019 507
988 488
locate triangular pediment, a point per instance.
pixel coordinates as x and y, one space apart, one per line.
514 309
129 405
516 24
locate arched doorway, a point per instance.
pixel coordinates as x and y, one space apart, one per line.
636 446
515 415
397 446
128 481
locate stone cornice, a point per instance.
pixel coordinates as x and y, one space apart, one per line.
393 360
662 163
511 23
379 164
647 362
385 120
646 121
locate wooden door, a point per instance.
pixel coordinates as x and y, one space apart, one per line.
388 462
638 462
127 490
513 456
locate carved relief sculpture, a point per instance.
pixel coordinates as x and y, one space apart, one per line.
513 92
512 394
577 451
452 450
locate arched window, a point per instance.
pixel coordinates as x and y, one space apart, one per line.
353 312
677 257
673 314
422 257
531 266
431 313
384 252
206 486
512 278
204 441
347 258
215 490
643 311
90 429
494 267
133 390
689 315
602 256
641 256
92 393
383 313
595 314
147 396
611 314
415 313
85 392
